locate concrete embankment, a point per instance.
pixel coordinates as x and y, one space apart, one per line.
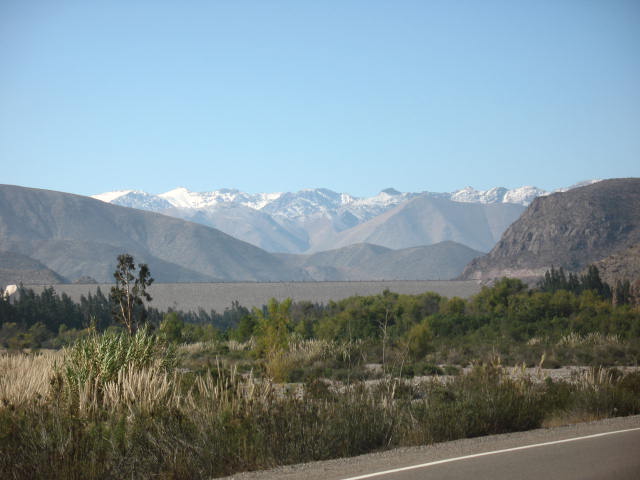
218 296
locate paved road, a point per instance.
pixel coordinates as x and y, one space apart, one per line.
608 449
613 456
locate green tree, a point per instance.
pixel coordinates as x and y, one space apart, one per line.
171 327
130 292
419 339
245 329
495 299
592 281
273 326
622 293
553 281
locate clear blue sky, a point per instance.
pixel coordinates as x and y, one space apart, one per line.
354 96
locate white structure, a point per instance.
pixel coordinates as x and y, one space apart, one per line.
9 293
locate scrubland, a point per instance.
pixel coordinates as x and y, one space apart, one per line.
115 406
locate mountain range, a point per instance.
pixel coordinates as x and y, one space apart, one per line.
314 220
50 237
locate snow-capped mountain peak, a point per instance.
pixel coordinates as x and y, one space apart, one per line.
471 195
181 197
313 201
134 199
523 195
110 197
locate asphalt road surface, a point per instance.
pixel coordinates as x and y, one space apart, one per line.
605 456
608 449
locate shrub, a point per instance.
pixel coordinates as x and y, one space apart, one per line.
100 357
96 361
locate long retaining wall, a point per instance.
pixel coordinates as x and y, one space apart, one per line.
218 296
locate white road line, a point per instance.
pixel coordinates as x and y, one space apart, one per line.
495 452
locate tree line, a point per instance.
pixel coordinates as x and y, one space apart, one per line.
557 305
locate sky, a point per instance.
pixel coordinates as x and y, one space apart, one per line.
355 96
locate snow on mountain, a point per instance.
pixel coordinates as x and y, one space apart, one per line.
110 197
521 196
305 203
183 198
319 202
369 207
139 200
471 195
311 202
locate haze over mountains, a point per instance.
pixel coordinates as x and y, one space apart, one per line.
315 220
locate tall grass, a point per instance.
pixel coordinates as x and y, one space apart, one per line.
574 339
114 407
26 378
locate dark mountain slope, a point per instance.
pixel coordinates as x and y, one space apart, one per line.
77 235
570 230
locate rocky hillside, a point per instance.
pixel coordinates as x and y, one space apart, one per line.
570 229
623 265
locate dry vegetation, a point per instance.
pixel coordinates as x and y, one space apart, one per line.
114 406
